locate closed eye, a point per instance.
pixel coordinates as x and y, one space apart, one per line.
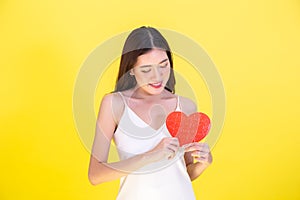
164 65
146 71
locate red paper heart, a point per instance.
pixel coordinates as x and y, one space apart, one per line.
187 129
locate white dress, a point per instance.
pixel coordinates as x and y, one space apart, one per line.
163 180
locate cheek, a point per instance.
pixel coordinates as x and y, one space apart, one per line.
141 79
166 74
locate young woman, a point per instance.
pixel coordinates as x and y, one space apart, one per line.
152 164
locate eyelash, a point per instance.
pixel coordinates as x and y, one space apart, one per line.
162 66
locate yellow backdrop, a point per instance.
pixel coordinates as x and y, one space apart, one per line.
254 44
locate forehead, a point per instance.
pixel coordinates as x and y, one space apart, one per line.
152 57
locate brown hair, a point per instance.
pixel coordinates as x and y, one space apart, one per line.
139 42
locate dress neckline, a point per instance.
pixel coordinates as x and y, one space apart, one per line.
143 121
136 115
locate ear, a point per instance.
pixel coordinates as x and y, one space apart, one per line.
131 72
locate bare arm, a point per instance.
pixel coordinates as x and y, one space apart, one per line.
197 151
100 172
99 169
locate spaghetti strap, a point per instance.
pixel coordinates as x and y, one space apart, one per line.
123 98
178 107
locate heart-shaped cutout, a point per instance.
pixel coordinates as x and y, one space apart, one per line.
188 129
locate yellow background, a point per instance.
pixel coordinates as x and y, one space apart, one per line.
254 44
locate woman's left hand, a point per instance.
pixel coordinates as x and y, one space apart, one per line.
200 152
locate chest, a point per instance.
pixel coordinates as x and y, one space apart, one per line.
152 114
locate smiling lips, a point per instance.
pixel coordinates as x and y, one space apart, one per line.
156 85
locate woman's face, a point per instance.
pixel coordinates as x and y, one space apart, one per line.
152 71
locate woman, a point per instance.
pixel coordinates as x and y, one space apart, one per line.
152 164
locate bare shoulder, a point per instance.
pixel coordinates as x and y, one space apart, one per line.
112 98
188 106
112 103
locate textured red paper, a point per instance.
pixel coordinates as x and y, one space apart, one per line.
188 129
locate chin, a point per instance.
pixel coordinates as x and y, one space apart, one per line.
153 91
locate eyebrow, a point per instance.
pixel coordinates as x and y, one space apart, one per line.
151 65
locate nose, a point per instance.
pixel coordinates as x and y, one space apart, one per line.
157 73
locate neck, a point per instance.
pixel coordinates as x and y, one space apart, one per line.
139 93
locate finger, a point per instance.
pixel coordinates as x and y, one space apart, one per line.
201 159
204 150
175 142
195 154
199 154
185 146
197 146
193 147
170 154
173 148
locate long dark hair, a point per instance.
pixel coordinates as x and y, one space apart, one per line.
139 42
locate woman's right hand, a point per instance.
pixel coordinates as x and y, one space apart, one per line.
165 149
